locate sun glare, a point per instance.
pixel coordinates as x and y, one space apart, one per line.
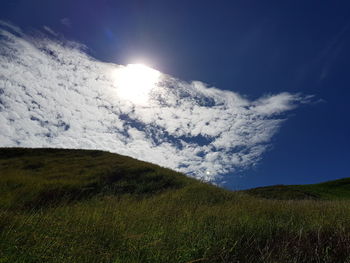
135 82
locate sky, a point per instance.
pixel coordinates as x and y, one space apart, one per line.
269 104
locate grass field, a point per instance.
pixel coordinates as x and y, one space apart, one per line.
91 206
332 190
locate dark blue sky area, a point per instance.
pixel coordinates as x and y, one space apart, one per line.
251 47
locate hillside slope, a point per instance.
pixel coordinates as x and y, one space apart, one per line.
90 206
40 177
331 190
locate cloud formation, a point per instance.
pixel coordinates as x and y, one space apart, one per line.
52 94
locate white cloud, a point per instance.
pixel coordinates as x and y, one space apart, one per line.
50 31
52 94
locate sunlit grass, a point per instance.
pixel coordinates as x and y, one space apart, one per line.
171 219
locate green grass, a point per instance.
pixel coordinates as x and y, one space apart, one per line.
91 206
34 178
332 190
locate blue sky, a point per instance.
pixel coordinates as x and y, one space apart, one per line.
254 48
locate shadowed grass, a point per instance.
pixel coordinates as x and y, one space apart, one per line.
132 211
332 190
33 178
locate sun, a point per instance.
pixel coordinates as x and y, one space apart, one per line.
135 81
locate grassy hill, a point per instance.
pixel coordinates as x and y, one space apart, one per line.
93 206
331 190
34 178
